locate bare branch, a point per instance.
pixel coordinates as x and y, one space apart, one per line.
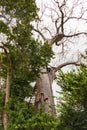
76 34
62 17
63 13
36 30
67 63
45 28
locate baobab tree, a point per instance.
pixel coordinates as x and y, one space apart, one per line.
64 25
18 47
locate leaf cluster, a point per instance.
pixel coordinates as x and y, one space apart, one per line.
42 121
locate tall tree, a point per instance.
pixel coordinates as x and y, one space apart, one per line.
59 30
17 47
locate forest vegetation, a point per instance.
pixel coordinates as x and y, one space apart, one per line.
26 72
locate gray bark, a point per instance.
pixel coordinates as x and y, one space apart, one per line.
44 95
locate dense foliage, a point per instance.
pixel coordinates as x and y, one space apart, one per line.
73 102
22 56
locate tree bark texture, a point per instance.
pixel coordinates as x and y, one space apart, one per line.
5 115
44 97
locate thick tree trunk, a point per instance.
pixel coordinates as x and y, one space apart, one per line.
5 115
44 95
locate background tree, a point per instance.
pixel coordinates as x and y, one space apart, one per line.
20 59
